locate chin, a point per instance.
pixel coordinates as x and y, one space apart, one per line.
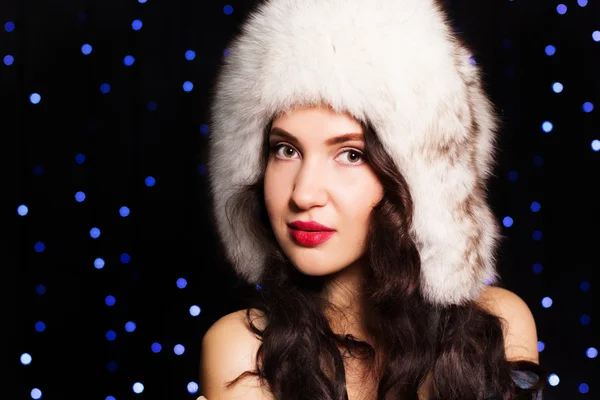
314 271
314 266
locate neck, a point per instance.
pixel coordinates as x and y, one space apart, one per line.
344 306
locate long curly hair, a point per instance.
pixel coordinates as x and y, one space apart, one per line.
461 346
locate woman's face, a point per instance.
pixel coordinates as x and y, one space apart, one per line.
312 177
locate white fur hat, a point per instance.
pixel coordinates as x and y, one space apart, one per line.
396 64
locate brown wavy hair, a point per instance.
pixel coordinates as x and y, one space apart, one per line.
461 346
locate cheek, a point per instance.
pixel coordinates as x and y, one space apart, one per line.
274 194
360 199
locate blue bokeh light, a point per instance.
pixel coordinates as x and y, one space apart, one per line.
595 145
35 98
585 319
513 175
587 107
124 211
9 26
125 258
39 247
86 49
537 235
582 3
40 289
553 379
111 335
128 60
40 326
156 347
94 233
541 346
188 86
204 129
181 283
22 210
79 196
130 326
110 300
137 24
190 55
507 222
561 9
150 181
535 206
80 158
584 388
99 263
111 366
591 352
596 36
550 50
152 106
585 286
105 88
228 10
537 268
8 60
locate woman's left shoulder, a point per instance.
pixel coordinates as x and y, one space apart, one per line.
520 333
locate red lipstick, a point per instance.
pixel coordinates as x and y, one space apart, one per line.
310 233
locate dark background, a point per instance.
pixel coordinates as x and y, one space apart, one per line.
106 145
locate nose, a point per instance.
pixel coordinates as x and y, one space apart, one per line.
310 186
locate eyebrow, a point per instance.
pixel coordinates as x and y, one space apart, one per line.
347 137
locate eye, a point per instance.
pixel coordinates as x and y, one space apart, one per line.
280 146
355 154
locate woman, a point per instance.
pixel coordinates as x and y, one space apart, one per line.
351 141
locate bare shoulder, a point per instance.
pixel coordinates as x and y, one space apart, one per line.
228 350
520 332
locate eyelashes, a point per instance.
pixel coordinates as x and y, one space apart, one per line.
274 149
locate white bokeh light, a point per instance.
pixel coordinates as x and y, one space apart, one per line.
25 359
138 387
194 311
36 394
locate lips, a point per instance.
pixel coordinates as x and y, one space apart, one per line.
310 233
307 238
310 226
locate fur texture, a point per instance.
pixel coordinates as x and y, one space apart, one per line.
395 64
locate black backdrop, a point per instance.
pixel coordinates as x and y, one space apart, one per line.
98 135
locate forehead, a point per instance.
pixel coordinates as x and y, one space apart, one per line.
315 123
